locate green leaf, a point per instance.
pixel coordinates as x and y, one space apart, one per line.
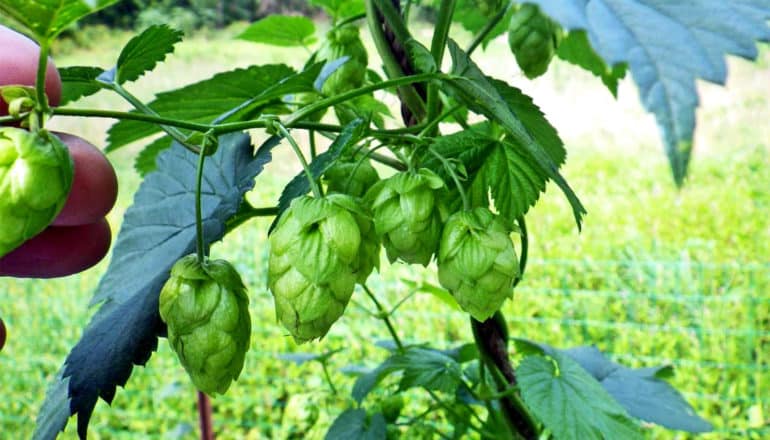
339 9
367 381
571 403
281 30
437 291
352 424
144 51
299 185
697 36
145 160
641 391
79 82
204 101
576 49
157 229
475 90
427 368
47 18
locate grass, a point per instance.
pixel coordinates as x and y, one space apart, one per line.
657 276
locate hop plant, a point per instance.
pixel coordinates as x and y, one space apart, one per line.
206 310
35 178
318 250
477 262
341 42
533 38
408 215
488 7
349 176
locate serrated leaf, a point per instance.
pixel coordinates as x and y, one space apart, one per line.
575 48
157 229
79 82
206 100
352 424
144 51
145 161
643 392
339 9
281 30
667 46
299 185
47 18
427 368
571 403
366 382
475 90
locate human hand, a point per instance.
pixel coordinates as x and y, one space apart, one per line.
79 236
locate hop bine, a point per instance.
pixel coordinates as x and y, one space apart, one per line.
477 262
35 178
206 310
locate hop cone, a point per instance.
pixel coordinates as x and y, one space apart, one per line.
35 179
477 262
349 176
408 215
315 261
341 42
207 313
533 38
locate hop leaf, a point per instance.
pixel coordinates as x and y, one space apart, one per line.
344 42
315 261
408 215
477 262
35 179
533 38
206 310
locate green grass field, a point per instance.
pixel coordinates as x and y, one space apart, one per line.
657 276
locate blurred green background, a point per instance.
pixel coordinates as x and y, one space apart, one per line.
657 276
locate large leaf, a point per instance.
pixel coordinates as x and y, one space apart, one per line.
354 424
667 45
157 229
643 392
47 18
471 87
230 96
339 9
571 403
144 51
281 30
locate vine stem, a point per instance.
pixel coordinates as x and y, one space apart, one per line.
42 69
437 48
313 184
488 27
204 416
198 205
385 316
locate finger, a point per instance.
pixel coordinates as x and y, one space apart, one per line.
59 251
94 185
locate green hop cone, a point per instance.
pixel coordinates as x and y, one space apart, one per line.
477 262
408 215
349 176
533 38
35 178
315 261
207 313
341 42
